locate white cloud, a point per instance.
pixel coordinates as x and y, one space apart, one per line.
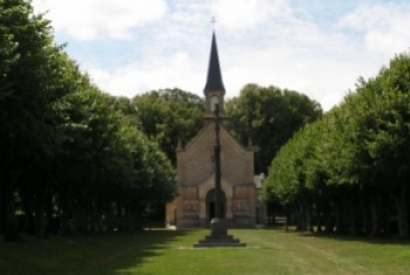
268 42
321 75
384 27
92 19
248 14
177 70
298 55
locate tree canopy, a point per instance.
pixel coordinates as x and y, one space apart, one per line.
169 116
269 116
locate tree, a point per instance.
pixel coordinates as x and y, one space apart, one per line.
386 114
356 167
117 168
67 150
169 116
27 98
269 116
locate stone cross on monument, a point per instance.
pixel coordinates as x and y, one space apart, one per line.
214 92
219 232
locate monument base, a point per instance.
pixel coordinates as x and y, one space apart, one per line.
219 236
218 227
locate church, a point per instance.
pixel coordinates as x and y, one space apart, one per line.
194 205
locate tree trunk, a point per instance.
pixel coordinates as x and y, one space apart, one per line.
2 210
298 218
10 225
375 213
309 219
10 219
355 215
302 218
319 217
329 218
342 222
67 224
41 211
402 211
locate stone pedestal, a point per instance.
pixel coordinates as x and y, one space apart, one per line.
219 236
218 227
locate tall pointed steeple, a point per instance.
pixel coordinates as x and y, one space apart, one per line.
214 79
214 88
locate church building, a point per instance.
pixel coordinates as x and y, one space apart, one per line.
195 204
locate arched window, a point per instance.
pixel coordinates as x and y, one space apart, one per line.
214 101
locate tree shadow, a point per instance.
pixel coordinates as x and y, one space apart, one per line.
108 254
379 240
346 237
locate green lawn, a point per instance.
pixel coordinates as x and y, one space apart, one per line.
157 252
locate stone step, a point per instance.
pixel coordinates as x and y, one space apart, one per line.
219 241
211 245
218 237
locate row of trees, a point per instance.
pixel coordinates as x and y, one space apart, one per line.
350 170
70 154
88 161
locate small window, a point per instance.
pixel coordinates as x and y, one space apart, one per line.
214 102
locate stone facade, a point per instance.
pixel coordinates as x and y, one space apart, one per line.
194 205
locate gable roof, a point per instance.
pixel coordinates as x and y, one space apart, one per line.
206 135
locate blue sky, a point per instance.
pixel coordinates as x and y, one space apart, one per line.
316 47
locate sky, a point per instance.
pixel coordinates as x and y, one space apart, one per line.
316 47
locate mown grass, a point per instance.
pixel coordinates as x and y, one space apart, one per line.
268 251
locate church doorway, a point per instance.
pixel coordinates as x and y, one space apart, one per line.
210 204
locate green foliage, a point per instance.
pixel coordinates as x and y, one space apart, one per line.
269 116
114 161
359 149
168 116
26 94
67 150
30 85
290 175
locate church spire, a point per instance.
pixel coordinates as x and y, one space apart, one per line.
214 78
214 87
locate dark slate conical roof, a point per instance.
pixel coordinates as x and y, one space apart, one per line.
214 78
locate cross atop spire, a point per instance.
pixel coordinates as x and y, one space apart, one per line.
213 22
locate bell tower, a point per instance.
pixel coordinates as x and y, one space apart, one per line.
214 88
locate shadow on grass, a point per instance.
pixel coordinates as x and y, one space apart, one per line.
110 254
388 240
382 240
